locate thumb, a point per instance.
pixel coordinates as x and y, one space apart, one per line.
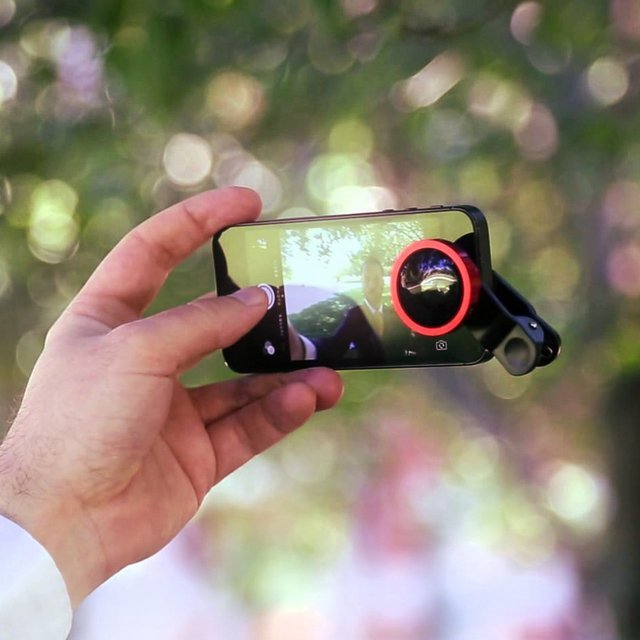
183 335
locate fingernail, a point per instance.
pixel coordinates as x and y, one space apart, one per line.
251 296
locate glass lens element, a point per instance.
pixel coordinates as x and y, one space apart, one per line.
430 289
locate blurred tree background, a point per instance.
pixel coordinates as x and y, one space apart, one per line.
112 109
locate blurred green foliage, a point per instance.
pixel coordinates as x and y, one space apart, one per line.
112 109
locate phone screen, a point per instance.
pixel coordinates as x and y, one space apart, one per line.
329 285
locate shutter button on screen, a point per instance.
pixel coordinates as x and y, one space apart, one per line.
271 296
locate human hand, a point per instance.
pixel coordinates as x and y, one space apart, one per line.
109 455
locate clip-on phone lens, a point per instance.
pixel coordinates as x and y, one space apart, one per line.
434 285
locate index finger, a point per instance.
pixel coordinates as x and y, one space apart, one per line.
129 277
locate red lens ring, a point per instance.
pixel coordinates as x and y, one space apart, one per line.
470 285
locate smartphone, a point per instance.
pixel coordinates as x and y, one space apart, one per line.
358 291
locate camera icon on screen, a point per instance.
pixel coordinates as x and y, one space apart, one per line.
442 345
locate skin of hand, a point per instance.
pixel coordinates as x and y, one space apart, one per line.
109 455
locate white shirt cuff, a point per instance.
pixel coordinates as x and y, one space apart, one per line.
34 603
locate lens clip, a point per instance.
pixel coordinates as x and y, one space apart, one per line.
507 325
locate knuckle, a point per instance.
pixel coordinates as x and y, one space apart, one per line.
252 388
161 253
243 393
192 218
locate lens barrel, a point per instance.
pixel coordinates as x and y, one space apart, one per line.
434 286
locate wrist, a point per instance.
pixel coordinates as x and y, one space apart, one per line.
52 523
